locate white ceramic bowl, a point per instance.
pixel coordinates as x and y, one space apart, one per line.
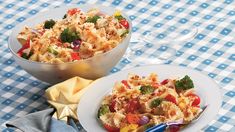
90 68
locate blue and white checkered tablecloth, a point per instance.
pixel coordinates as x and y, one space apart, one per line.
212 51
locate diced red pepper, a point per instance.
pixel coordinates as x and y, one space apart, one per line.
75 56
126 83
171 98
73 11
164 82
111 128
124 23
25 46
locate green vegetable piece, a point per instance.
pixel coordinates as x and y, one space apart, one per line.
68 36
65 16
184 83
93 19
146 89
126 32
120 17
53 51
49 24
156 102
24 55
103 110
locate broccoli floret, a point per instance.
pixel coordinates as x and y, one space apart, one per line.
156 102
146 89
49 24
103 110
184 83
68 36
93 19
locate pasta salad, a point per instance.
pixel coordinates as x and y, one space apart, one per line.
139 103
79 35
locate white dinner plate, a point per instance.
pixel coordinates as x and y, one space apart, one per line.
205 87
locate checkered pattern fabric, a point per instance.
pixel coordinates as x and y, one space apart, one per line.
212 51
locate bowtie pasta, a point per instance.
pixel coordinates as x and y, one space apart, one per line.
139 103
78 35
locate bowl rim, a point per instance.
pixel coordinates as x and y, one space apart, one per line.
67 7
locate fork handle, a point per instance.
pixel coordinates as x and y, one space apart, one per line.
158 128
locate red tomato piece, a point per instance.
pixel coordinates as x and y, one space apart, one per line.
75 56
132 118
132 106
111 128
164 82
126 83
171 98
196 100
25 46
73 11
124 23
